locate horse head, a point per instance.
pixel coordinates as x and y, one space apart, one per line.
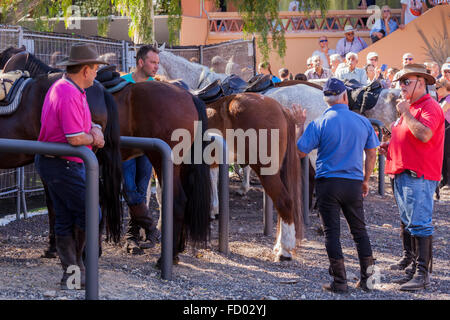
385 109
5 55
194 74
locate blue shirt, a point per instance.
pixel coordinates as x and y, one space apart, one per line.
340 135
129 78
380 25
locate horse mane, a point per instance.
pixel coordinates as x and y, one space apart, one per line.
37 67
294 82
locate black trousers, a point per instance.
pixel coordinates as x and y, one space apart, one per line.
334 194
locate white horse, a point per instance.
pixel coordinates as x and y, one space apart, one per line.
197 76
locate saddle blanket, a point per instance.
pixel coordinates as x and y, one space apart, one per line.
7 81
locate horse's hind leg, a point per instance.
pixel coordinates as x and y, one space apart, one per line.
245 186
50 252
285 241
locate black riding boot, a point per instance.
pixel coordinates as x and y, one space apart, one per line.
140 217
65 245
80 242
421 278
407 258
409 271
337 271
366 272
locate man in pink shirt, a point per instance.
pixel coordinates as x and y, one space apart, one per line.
66 118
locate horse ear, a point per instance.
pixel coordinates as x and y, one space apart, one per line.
163 47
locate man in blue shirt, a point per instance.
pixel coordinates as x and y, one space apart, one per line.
137 172
341 137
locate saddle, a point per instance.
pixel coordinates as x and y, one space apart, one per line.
210 93
12 90
260 83
9 83
362 98
110 79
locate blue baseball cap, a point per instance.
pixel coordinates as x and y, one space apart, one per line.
333 87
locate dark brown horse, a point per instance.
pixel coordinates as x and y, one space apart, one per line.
150 109
274 130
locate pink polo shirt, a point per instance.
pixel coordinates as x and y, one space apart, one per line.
65 113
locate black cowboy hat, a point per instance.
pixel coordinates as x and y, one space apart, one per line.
81 53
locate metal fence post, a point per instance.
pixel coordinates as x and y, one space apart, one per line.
268 214
167 196
305 189
91 201
381 158
124 56
200 50
224 194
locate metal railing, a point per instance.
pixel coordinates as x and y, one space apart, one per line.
334 21
91 201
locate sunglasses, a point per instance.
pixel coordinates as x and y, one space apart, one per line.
437 88
386 10
350 34
373 59
409 59
406 82
446 71
323 40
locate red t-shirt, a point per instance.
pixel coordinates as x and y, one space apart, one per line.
407 152
65 113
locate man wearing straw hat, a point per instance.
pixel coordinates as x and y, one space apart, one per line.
66 118
414 158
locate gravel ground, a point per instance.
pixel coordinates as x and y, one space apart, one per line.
248 272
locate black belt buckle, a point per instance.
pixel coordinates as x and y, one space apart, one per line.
411 173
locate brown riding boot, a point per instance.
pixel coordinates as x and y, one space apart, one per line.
132 238
366 272
65 245
407 258
80 242
337 271
421 278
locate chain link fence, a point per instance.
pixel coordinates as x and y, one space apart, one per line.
236 56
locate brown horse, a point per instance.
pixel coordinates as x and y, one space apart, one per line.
151 109
249 113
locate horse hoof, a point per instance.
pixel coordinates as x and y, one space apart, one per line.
49 254
175 261
283 258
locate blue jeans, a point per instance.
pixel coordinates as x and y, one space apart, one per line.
66 182
137 173
415 202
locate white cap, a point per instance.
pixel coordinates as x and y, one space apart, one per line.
372 54
446 66
348 28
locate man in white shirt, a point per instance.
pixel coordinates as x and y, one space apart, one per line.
350 43
324 52
351 71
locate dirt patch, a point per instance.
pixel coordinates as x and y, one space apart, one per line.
248 272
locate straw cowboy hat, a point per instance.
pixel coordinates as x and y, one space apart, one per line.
415 69
349 28
82 53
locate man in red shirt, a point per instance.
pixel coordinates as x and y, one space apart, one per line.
414 156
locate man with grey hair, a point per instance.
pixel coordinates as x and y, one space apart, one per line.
341 137
317 71
335 61
351 71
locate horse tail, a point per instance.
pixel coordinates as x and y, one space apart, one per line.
197 187
111 172
290 173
